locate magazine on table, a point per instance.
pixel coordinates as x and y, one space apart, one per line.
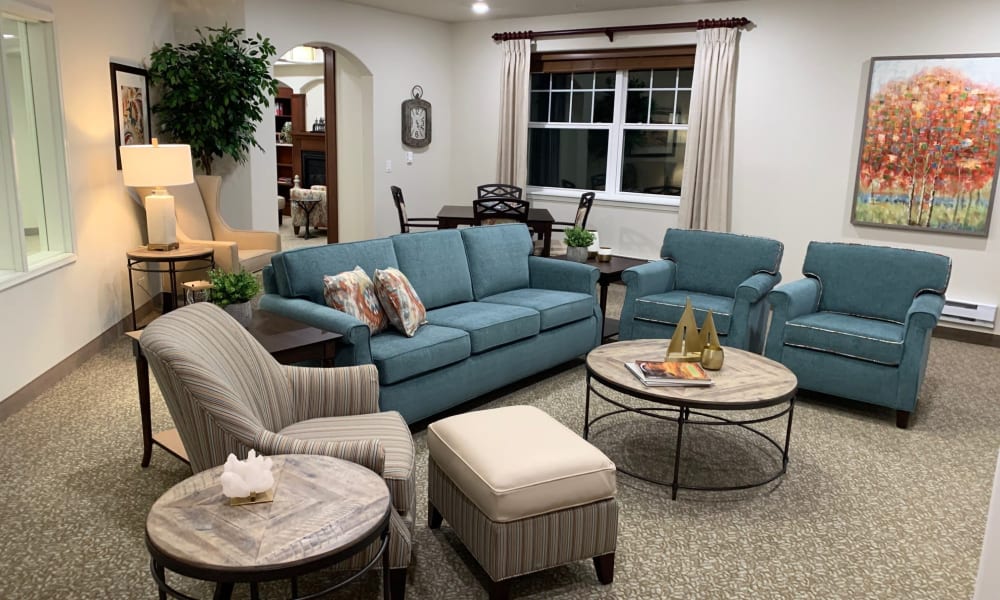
669 373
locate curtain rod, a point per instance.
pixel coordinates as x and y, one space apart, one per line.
611 31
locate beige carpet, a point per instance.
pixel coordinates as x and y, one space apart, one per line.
865 511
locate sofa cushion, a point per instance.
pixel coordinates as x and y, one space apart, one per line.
488 325
401 303
517 462
435 263
847 335
498 258
667 308
398 357
353 292
555 307
299 273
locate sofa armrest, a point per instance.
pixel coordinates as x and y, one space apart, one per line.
789 301
354 348
654 277
924 311
368 453
564 275
756 287
337 392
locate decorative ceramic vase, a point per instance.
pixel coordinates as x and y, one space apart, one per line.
711 358
242 312
577 253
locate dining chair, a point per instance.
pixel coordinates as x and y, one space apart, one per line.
405 222
493 211
501 191
558 247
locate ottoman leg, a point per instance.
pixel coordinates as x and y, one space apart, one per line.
500 590
434 518
605 567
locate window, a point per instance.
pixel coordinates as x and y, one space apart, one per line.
34 208
621 130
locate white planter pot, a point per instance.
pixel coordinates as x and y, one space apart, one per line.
242 312
577 253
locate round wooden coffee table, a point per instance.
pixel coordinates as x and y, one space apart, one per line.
325 510
747 381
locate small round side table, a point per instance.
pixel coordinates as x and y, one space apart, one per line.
144 260
325 510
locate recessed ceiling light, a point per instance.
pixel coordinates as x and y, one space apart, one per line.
9 36
480 8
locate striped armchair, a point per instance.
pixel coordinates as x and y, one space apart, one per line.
226 394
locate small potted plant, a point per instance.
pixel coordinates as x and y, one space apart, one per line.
233 292
577 240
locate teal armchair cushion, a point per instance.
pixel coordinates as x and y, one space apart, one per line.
498 258
858 325
726 273
434 263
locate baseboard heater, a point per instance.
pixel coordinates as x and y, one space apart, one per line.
969 313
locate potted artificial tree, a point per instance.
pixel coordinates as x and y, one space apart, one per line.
233 292
212 92
577 240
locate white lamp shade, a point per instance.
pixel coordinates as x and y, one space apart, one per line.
157 165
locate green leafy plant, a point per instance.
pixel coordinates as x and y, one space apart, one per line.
232 288
212 92
577 237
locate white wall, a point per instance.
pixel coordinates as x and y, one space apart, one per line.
354 155
801 85
399 51
46 319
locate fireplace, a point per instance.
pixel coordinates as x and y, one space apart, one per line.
313 168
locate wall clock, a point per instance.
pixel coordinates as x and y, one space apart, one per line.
416 120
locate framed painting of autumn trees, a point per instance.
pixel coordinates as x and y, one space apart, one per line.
928 157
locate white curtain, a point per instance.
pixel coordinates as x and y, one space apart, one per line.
512 142
706 197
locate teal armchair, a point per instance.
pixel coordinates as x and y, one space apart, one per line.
859 325
727 273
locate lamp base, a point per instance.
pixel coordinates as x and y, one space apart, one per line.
162 247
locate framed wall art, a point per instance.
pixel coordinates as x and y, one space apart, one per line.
928 158
130 99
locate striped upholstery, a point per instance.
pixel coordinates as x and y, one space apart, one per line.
226 394
516 548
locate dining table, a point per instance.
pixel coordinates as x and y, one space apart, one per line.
540 221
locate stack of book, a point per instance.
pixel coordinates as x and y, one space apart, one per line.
669 373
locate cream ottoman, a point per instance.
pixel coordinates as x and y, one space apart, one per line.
522 492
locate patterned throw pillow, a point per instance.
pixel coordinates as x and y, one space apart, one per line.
402 305
353 292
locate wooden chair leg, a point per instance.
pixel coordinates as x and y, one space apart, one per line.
397 584
434 518
295 228
500 590
605 567
903 418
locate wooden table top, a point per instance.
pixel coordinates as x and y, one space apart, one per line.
321 506
465 212
746 380
615 266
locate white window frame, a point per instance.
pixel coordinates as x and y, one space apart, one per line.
16 265
616 135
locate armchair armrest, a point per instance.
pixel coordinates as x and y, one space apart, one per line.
356 335
564 275
250 240
756 287
654 277
336 392
367 453
924 311
225 254
795 299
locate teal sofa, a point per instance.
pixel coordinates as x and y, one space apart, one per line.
726 273
859 324
495 313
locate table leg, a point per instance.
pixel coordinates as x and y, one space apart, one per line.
682 416
788 435
131 295
586 410
386 588
547 240
161 575
170 300
223 591
295 587
142 379
254 591
604 298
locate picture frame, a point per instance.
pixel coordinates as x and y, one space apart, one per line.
929 144
130 106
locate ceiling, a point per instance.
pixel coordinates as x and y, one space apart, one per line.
453 11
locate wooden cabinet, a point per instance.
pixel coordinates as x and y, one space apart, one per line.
290 108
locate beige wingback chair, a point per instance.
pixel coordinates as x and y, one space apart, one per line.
200 223
226 394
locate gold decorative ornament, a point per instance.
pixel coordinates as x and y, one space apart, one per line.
712 355
686 344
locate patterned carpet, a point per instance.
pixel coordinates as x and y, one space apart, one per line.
865 511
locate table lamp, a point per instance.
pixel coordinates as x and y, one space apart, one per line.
157 166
